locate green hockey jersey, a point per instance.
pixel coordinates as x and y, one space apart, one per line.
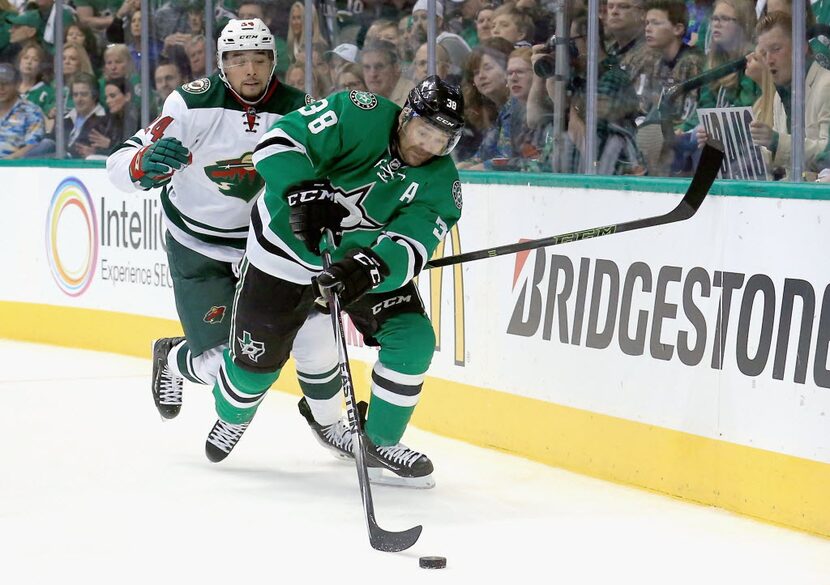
401 212
207 204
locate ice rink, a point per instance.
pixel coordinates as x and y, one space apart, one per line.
96 488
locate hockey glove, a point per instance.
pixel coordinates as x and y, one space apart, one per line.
352 277
314 209
153 165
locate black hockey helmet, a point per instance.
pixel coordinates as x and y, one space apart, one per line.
440 104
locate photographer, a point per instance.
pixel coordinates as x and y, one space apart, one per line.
617 151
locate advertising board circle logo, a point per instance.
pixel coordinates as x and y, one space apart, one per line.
72 237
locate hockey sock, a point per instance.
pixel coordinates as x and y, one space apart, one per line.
394 396
238 392
201 369
322 392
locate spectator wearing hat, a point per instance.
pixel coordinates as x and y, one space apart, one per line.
382 72
22 123
6 9
24 28
456 47
42 19
342 55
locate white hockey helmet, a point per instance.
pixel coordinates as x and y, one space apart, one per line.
244 35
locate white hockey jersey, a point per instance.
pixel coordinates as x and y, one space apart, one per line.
207 204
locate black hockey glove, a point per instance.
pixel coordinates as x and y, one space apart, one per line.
352 277
314 209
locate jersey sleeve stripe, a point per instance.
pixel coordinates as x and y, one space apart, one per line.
272 244
417 250
276 142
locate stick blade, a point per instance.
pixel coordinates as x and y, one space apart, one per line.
387 541
707 171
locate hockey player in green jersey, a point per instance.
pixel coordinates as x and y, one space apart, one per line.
381 179
199 152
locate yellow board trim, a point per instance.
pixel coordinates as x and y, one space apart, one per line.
776 488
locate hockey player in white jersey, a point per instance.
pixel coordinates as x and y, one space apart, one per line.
198 151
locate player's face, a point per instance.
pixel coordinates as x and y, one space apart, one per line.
248 72
419 141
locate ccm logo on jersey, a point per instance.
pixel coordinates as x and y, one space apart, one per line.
386 303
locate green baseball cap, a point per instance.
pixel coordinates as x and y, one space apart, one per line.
29 18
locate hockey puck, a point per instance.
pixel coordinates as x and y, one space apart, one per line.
432 562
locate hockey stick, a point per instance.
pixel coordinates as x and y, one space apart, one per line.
705 174
379 538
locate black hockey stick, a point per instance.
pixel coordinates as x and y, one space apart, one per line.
379 538
705 174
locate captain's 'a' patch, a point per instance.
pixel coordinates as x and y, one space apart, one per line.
363 99
197 86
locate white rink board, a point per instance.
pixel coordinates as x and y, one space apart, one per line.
767 240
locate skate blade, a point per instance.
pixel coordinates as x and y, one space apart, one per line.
380 476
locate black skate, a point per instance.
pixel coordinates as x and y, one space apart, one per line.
398 465
167 387
335 437
222 438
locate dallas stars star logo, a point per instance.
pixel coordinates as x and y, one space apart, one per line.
358 218
250 348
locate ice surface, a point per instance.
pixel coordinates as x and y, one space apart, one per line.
95 488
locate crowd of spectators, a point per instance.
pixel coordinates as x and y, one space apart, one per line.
499 54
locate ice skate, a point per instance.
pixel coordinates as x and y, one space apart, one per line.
398 465
335 437
167 387
222 438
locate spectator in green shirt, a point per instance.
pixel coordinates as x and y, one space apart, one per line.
32 65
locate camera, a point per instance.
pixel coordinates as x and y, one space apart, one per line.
545 67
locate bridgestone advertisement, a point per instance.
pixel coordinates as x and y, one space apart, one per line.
717 326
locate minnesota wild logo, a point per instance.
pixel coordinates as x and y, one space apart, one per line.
363 99
215 315
197 86
236 177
